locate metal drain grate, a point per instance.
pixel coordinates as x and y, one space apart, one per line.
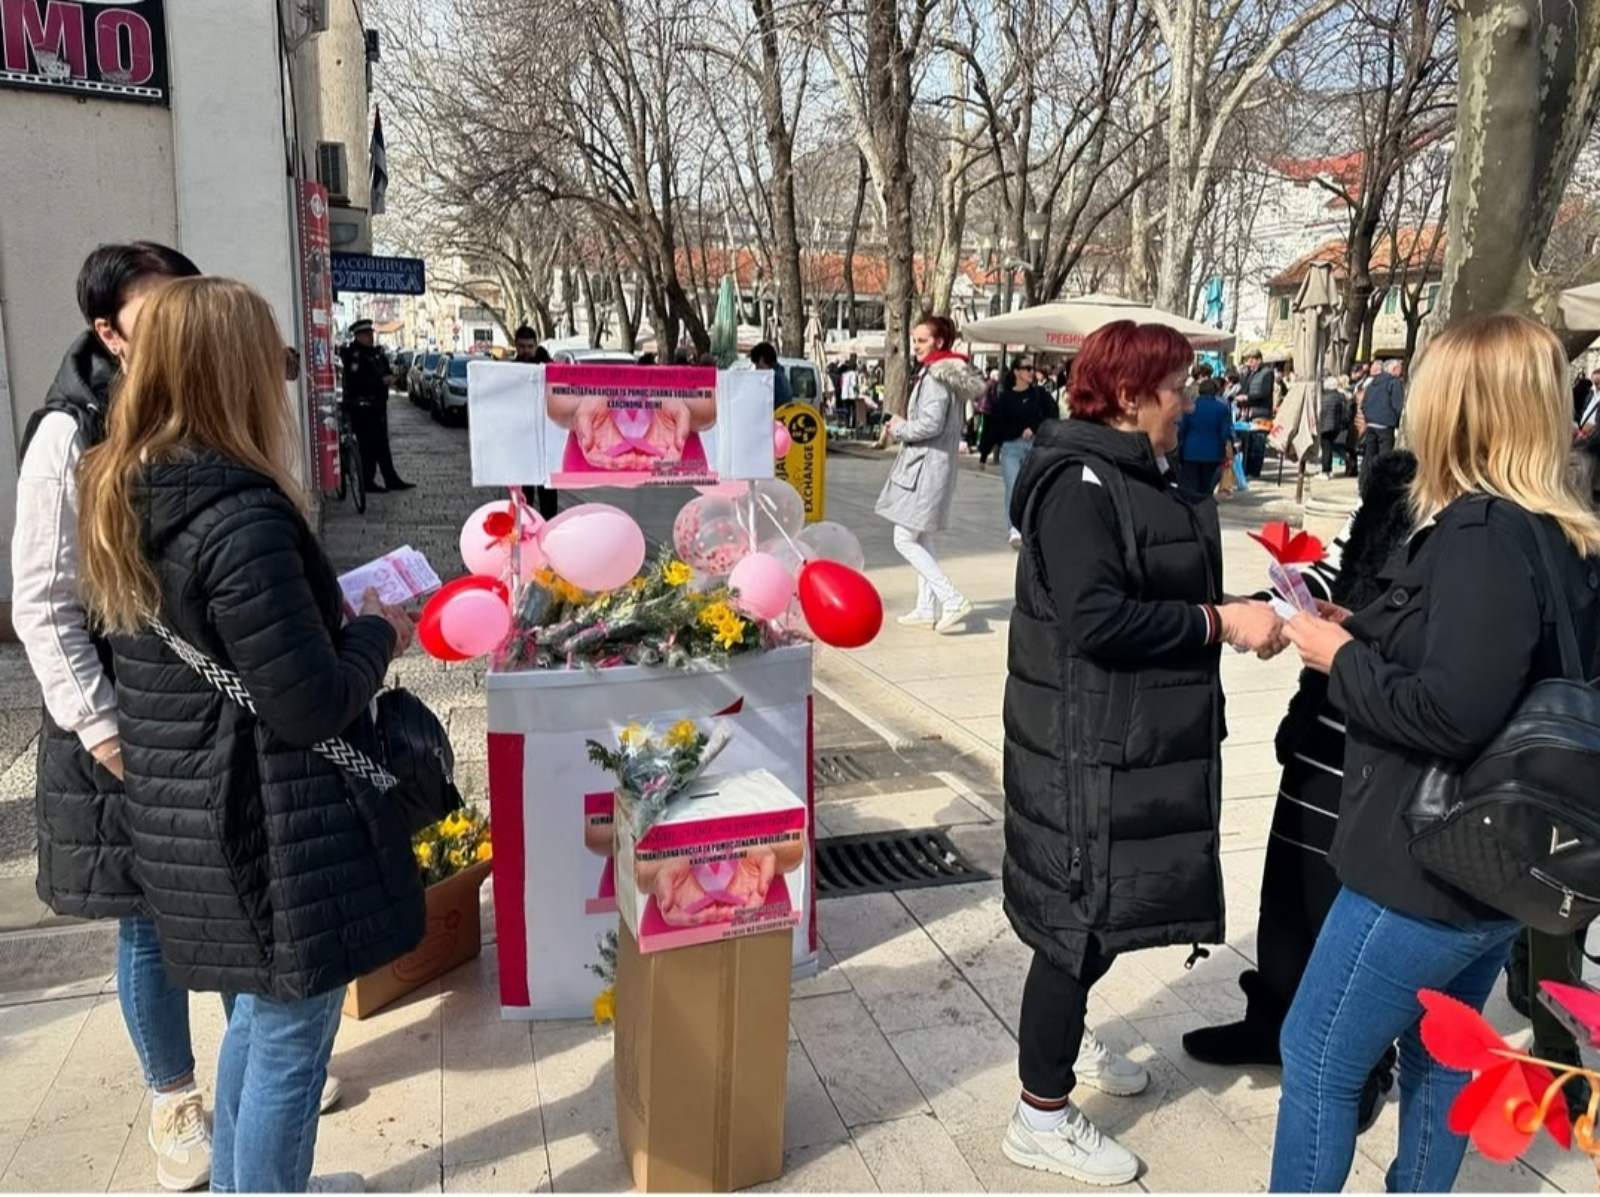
890 860
837 768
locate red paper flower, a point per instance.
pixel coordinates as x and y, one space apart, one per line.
1499 1108
1299 548
498 525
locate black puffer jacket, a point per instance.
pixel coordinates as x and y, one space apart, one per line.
85 862
266 872
1113 706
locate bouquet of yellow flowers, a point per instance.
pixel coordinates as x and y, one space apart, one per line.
660 618
652 770
450 845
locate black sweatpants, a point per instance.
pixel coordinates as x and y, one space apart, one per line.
1199 477
1375 442
370 423
1050 1029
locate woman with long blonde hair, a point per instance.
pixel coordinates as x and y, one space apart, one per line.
1431 671
267 876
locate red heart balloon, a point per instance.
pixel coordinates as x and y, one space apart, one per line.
428 634
841 605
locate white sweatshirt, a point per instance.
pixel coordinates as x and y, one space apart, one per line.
46 607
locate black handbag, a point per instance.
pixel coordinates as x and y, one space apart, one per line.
415 764
1518 829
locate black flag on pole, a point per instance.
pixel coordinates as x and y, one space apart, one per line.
380 164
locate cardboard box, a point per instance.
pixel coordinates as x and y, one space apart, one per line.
728 859
702 1049
554 888
454 936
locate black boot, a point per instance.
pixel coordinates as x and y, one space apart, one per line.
1376 1091
1575 1091
1250 1042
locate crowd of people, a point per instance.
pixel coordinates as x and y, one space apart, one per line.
192 648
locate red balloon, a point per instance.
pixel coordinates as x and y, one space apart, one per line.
841 605
428 634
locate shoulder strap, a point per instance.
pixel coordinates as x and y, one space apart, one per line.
1566 626
230 685
1116 486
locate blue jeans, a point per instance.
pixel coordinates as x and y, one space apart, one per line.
1358 995
155 1010
270 1074
1012 454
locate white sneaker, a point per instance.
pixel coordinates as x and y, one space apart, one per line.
181 1140
1110 1072
337 1182
918 619
953 618
1016 539
1075 1148
332 1094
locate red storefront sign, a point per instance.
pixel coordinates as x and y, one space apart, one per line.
316 282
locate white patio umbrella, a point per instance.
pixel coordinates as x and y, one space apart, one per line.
1062 326
816 348
1294 432
1581 307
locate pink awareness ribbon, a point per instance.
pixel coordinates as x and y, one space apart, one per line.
714 879
633 424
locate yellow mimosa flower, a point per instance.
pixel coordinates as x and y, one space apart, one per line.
682 733
605 1006
676 573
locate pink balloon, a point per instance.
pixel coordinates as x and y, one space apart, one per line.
762 586
782 442
489 555
581 509
595 551
475 622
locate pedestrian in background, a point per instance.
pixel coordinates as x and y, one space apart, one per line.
765 357
269 876
85 859
1430 672
529 352
1333 424
921 487
1204 435
1019 407
367 378
1383 405
1113 720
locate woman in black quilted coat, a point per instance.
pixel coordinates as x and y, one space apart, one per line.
268 876
1113 721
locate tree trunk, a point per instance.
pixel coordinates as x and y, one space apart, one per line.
888 112
850 242
780 148
1530 84
1359 287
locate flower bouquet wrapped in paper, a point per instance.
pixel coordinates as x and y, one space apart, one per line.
652 770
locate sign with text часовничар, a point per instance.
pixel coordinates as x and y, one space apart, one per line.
378 276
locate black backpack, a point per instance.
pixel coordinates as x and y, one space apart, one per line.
1519 828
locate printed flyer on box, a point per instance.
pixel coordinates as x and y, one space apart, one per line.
629 425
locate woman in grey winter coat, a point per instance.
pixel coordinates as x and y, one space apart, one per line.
917 497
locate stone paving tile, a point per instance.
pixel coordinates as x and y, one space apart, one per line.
63 1161
907 983
810 1118
981 1150
1239 1093
851 925
969 1078
914 1155
490 1098
970 696
889 812
1246 823
830 978
822 1168
854 1061
520 1172
575 1085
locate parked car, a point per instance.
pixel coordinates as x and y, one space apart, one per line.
422 365
450 392
593 357
402 370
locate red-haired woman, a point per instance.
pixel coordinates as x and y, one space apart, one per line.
917 497
1113 722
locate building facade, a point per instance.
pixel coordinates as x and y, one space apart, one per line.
197 132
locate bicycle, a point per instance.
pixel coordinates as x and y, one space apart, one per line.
351 478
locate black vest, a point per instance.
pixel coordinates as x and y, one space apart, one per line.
1112 771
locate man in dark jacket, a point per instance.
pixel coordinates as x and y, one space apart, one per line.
1297 884
1260 388
367 377
1383 405
85 860
530 353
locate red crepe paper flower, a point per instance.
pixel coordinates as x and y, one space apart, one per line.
1499 1108
1298 548
499 524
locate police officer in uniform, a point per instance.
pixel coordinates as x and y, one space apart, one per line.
531 353
367 375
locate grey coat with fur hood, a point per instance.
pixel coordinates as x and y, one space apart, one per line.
922 485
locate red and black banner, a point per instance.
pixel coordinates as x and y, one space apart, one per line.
113 49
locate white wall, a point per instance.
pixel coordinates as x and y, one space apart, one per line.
78 173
